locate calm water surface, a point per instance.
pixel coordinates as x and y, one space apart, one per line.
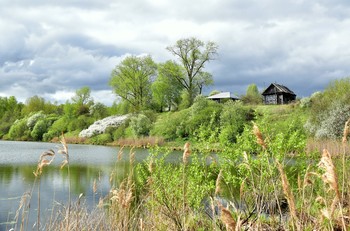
88 163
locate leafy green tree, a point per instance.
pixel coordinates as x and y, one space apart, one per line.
10 111
252 96
34 104
193 54
82 100
98 111
166 91
131 80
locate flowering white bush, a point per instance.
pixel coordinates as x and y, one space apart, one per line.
331 123
32 120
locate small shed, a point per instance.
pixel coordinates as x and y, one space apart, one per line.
278 94
222 96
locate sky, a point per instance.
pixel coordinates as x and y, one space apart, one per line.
51 48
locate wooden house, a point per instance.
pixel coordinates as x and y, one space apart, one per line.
223 96
278 94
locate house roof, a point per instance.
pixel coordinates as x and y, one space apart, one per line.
279 89
224 95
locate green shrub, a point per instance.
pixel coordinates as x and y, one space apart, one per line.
18 130
56 129
39 129
171 125
232 120
80 123
140 125
330 110
33 119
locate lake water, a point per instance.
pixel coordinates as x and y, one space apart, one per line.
88 163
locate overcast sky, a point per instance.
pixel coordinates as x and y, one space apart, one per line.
51 48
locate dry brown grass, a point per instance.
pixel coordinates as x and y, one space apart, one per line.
144 142
259 137
288 192
336 147
187 153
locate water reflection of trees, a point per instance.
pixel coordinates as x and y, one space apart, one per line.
82 177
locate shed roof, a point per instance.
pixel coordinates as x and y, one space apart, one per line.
224 95
280 88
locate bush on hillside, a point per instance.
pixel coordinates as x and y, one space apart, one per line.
19 130
330 110
140 125
232 120
39 130
171 125
32 120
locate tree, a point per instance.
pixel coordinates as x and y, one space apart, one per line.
82 96
132 78
193 55
203 79
34 104
166 91
98 111
252 96
82 100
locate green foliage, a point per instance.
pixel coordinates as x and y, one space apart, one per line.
171 125
131 80
19 130
193 54
101 139
80 123
175 190
10 111
34 104
232 120
34 118
166 91
39 129
98 111
330 110
252 96
82 97
189 122
185 100
140 125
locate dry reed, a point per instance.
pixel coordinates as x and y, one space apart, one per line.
346 131
259 137
187 153
288 192
217 183
329 176
45 159
227 218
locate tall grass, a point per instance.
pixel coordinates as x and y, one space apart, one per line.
259 191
